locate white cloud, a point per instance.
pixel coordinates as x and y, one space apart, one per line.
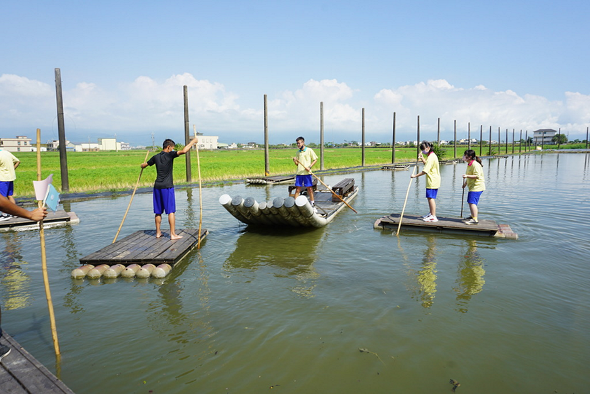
146 105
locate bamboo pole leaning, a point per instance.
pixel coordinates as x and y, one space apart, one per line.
399 225
200 192
44 258
131 200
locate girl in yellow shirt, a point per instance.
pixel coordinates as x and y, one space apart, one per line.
432 172
475 181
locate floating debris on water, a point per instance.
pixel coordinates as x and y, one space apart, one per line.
455 384
365 350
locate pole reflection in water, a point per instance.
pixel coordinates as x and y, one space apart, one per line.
470 274
279 248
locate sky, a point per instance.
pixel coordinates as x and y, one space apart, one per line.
519 65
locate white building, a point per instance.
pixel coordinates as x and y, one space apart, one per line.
543 136
109 144
207 142
18 144
87 147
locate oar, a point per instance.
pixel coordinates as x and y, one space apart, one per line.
200 194
328 187
134 190
44 261
462 199
399 225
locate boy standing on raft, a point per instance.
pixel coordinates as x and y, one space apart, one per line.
432 172
164 199
304 160
475 181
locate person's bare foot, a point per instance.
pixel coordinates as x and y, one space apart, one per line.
158 235
175 236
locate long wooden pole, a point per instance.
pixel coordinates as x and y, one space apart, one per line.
330 189
61 131
44 257
321 136
200 193
399 225
393 142
131 200
462 199
187 158
266 152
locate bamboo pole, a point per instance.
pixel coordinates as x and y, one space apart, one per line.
187 158
131 200
363 138
44 258
266 152
468 135
321 135
200 193
454 139
399 225
393 142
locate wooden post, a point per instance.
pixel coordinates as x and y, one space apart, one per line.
418 137
520 143
526 140
363 139
468 135
321 135
506 141
393 142
44 255
586 137
266 154
455 139
480 139
512 141
490 143
187 135
499 144
63 159
558 137
438 133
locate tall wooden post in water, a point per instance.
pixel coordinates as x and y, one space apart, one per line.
363 139
480 139
506 141
454 139
526 140
266 156
469 135
520 143
512 141
393 142
586 137
490 143
187 134
418 137
558 137
63 159
321 135
438 133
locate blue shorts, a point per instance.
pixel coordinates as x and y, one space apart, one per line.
303 180
164 200
473 197
431 193
6 188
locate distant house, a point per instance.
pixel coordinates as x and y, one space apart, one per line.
54 145
18 144
543 136
208 142
109 144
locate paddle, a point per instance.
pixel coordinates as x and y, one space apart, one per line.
328 187
200 194
129 206
399 225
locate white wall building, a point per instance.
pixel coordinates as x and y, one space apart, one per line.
207 142
18 144
543 136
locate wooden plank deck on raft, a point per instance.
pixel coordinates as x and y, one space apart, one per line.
272 180
20 372
447 225
143 247
53 219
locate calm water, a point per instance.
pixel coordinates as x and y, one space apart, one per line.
289 310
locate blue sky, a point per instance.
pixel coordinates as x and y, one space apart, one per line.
507 64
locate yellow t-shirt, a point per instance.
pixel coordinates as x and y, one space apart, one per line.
7 162
305 158
479 184
432 170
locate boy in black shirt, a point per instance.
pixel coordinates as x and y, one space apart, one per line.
164 199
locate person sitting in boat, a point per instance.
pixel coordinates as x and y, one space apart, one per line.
432 172
475 181
304 160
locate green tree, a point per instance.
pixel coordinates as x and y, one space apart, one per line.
559 139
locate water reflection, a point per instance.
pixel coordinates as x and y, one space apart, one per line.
15 281
278 248
470 274
424 288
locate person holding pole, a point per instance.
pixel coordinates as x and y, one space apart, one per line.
432 171
475 181
304 160
38 214
164 199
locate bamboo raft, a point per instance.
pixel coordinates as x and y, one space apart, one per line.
272 180
20 372
53 219
143 247
486 228
290 211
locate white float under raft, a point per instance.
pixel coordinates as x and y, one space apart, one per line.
290 211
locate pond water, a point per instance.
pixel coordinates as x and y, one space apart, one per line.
254 310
